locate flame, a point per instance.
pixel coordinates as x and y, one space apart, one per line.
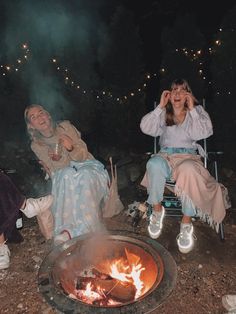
89 295
126 270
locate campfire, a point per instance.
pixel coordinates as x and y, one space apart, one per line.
105 272
111 282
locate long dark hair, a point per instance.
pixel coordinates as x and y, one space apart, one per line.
169 109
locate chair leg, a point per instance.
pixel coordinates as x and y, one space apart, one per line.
221 231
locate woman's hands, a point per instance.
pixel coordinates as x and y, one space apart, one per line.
165 97
66 141
187 97
55 150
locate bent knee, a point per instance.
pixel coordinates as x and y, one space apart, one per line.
156 162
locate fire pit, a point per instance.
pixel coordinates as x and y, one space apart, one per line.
119 272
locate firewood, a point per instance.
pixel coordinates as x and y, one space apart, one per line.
111 287
123 292
100 275
83 281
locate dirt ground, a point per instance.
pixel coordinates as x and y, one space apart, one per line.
204 275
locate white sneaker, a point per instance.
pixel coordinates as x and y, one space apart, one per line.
34 206
4 256
229 302
156 223
185 238
62 237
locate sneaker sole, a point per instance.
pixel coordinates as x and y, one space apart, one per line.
4 266
154 235
185 250
227 306
58 240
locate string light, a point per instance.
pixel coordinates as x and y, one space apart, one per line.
98 94
19 61
193 55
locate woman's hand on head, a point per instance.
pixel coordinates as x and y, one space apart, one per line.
165 97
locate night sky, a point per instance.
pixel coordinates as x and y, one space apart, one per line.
153 15
69 29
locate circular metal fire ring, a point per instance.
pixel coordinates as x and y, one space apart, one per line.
59 300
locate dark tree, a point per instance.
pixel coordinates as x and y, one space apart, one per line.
223 65
182 54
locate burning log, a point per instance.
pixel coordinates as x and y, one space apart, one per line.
110 287
123 292
100 275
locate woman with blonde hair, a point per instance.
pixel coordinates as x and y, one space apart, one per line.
180 122
79 181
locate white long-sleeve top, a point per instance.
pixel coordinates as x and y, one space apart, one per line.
196 126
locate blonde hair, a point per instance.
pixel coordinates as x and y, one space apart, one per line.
34 135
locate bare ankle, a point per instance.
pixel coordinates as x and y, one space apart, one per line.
157 207
2 238
186 220
23 205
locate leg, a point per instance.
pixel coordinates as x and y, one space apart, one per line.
10 202
158 171
210 197
34 206
78 190
2 238
185 239
4 253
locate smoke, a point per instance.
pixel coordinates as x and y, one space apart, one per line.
69 31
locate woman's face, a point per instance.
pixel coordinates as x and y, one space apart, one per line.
178 96
39 119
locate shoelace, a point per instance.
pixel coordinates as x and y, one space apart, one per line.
156 217
186 234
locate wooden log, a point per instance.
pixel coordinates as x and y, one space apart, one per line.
112 288
123 292
100 275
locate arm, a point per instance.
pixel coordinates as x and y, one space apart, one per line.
199 125
153 122
70 138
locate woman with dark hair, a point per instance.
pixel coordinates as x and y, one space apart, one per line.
180 122
79 181
11 202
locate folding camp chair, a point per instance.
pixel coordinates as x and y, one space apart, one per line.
171 202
